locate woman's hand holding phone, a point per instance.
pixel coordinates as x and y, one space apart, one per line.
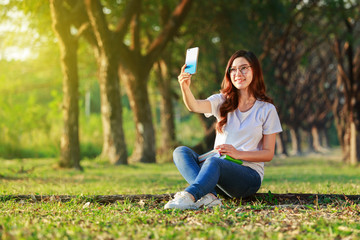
184 78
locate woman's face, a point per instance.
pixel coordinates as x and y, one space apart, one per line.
241 74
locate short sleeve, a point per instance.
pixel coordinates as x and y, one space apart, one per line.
216 101
272 122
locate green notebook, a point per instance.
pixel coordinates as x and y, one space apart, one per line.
227 157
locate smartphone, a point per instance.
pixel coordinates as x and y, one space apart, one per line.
191 60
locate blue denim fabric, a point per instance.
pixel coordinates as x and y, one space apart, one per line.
233 179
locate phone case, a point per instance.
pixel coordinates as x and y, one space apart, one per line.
191 60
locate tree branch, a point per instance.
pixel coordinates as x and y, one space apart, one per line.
99 23
60 24
169 31
135 32
124 22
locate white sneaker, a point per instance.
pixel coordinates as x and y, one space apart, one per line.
182 200
209 200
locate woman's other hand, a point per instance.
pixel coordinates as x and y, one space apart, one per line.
227 149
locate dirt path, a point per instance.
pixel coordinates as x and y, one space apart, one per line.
268 198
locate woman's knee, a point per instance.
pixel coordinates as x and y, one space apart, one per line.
180 153
180 150
212 161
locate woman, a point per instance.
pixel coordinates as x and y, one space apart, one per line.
247 123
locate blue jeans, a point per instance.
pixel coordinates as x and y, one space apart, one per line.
215 175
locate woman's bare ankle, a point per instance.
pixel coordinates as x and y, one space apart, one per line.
192 197
213 195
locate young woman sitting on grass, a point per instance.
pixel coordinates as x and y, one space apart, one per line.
247 123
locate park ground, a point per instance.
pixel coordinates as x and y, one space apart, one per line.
85 218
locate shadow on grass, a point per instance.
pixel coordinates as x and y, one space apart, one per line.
9 178
326 178
305 160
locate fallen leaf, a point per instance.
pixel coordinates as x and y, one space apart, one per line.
86 205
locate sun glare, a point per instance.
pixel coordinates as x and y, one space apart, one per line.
14 33
15 53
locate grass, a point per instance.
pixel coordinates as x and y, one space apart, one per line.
148 220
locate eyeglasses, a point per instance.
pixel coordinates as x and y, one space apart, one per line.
243 69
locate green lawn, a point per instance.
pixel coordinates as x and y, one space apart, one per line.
147 219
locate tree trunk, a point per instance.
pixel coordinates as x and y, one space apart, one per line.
324 138
346 142
311 147
340 119
70 146
107 54
136 88
69 143
168 136
358 146
167 121
316 139
354 160
278 145
295 141
349 140
283 144
347 54
207 142
343 138
114 146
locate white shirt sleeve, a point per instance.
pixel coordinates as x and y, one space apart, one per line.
216 101
272 122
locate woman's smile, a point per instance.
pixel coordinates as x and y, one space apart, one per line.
240 80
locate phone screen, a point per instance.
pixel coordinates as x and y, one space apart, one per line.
191 60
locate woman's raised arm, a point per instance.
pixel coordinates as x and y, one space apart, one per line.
192 104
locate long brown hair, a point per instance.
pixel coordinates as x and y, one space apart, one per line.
232 94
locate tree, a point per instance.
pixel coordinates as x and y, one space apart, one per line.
320 77
69 142
134 62
70 149
107 54
346 48
288 38
163 81
168 135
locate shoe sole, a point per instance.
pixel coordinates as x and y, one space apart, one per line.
211 204
181 207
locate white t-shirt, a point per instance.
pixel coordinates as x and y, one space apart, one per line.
245 130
